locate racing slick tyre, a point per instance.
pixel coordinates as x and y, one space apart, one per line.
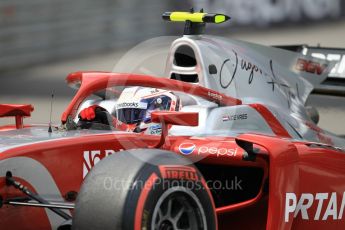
144 189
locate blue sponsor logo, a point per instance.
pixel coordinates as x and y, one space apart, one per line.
186 148
155 129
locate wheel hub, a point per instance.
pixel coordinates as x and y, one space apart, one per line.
178 208
166 225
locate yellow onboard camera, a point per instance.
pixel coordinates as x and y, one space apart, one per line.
195 17
195 22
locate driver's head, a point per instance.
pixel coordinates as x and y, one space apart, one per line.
135 104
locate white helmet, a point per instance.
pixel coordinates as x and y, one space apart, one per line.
135 104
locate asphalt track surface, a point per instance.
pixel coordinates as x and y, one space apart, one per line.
34 85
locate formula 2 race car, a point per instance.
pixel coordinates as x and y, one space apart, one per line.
222 141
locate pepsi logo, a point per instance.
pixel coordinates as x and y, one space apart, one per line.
186 148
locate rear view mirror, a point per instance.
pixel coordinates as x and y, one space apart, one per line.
167 118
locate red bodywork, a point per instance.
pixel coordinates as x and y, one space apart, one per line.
285 166
17 111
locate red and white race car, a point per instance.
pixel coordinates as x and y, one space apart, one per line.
222 141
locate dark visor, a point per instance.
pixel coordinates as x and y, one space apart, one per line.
130 115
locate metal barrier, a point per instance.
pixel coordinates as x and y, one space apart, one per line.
37 31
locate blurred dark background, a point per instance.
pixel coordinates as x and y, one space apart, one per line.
41 41
37 31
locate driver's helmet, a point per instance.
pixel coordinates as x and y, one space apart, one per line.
135 104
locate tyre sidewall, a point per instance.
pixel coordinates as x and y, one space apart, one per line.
152 190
